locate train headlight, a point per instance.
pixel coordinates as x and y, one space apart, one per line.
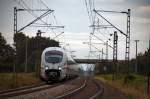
46 67
59 68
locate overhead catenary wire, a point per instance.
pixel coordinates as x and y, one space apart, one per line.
109 23
25 6
31 6
44 4
90 8
43 15
87 9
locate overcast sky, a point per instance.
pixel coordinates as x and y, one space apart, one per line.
73 15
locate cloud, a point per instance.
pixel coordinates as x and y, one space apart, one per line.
112 1
72 14
140 20
145 9
138 2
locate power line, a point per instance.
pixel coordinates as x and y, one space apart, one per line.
29 8
90 7
110 23
25 6
87 9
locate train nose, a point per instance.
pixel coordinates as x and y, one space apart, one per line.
52 74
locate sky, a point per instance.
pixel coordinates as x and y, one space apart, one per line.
73 15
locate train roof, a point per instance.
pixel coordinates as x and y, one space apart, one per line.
54 48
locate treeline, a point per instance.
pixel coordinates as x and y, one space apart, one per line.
26 53
143 65
6 55
143 61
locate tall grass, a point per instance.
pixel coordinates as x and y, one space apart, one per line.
7 80
134 89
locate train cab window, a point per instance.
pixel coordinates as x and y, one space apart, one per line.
53 56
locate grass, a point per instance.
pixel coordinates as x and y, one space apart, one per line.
22 79
134 89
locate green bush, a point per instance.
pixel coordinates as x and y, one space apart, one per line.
129 78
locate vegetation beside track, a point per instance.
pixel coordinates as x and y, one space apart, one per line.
22 79
134 89
25 53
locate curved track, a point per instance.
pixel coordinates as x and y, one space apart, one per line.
99 92
90 89
79 88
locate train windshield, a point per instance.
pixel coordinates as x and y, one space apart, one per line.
53 56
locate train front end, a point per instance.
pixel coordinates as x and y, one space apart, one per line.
52 64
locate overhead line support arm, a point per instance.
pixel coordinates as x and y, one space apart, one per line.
33 9
43 15
112 11
109 22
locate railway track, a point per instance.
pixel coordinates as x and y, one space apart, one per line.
79 88
20 88
99 92
80 93
29 89
25 90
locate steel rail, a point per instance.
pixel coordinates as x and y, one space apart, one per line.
97 95
72 92
21 88
100 91
25 91
28 89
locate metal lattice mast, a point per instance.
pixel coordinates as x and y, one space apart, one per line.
102 53
115 48
15 20
127 53
106 50
14 60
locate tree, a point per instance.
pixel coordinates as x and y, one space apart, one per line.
35 46
143 62
2 47
6 55
19 43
